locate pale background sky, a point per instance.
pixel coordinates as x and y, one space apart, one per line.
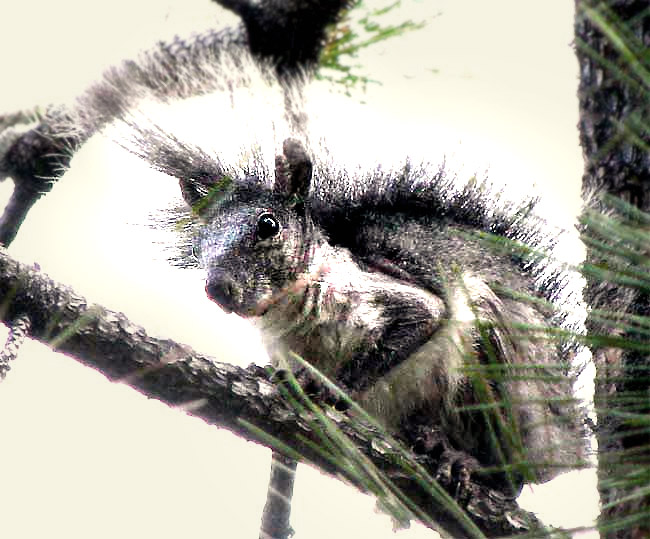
495 81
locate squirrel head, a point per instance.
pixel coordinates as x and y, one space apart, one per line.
255 240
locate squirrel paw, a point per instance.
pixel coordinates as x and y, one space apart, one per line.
314 389
454 469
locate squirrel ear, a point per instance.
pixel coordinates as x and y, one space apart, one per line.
193 191
293 170
197 192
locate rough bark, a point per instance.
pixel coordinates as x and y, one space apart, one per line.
235 398
612 39
277 510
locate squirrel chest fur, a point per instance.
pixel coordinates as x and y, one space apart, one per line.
395 303
341 310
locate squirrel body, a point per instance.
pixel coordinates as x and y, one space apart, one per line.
381 283
378 276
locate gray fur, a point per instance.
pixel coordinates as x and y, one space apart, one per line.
376 276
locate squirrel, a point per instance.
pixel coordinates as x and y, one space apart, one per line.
382 279
381 283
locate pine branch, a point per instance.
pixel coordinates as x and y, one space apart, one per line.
244 401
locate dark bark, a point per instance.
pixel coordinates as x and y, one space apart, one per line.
289 32
277 510
33 159
612 40
18 330
230 397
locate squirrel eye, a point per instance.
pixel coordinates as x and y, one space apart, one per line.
267 226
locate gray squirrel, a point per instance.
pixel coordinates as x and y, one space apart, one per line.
383 287
382 279
377 277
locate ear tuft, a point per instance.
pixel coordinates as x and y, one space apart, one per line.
192 190
293 170
199 192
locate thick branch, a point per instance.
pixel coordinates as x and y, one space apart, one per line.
222 394
612 39
291 33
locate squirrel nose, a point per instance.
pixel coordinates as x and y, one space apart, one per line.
224 291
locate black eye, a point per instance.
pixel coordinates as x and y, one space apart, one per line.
267 226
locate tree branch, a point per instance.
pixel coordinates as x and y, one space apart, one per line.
277 510
291 33
611 46
234 398
288 33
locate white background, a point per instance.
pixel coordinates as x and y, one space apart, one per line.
81 457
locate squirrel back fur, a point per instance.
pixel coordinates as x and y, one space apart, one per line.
381 276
